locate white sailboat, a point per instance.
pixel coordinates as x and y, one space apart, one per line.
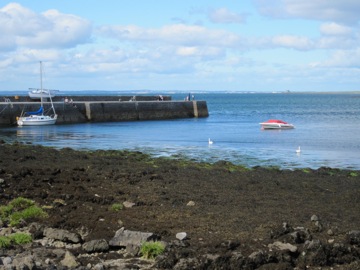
39 117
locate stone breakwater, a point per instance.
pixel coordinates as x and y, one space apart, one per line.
82 109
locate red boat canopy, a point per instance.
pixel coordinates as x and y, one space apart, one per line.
276 121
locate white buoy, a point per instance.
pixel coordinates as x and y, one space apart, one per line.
298 151
210 141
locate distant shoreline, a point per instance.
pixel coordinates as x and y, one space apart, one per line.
174 92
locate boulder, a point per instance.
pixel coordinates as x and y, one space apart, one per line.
69 260
283 246
62 235
96 246
125 237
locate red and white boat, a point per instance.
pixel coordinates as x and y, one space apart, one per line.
276 124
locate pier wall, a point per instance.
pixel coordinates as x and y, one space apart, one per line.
91 109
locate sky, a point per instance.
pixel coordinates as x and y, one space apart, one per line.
227 45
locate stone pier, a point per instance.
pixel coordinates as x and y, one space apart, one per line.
82 109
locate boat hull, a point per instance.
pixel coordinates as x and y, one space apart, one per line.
38 94
276 126
36 120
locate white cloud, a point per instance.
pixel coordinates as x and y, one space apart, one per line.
223 15
52 29
180 34
341 58
294 42
345 11
335 29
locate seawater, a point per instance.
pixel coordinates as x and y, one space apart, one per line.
327 128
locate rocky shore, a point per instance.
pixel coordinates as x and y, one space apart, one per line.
207 216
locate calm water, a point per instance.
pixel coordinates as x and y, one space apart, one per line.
327 129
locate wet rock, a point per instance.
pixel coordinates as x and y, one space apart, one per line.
354 237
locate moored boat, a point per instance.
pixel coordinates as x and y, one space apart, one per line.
276 124
39 117
35 93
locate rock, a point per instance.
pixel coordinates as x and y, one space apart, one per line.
353 237
300 236
257 258
314 218
132 250
318 225
96 246
6 261
26 262
62 235
6 231
125 237
190 203
69 260
99 266
281 230
283 246
127 204
36 230
313 244
181 235
120 222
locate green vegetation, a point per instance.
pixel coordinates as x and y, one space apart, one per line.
5 242
20 209
20 238
15 239
353 174
117 207
150 250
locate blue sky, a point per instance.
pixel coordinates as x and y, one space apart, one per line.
254 45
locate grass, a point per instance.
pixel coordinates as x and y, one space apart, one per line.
117 207
15 239
20 238
150 250
5 242
20 209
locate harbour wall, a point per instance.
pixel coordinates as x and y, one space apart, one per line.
105 109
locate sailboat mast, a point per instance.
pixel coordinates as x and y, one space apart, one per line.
41 86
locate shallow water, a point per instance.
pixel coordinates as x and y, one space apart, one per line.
327 128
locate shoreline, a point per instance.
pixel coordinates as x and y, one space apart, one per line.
224 209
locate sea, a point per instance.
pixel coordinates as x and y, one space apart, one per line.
327 129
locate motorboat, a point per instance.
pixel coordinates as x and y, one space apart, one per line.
39 117
276 124
35 93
